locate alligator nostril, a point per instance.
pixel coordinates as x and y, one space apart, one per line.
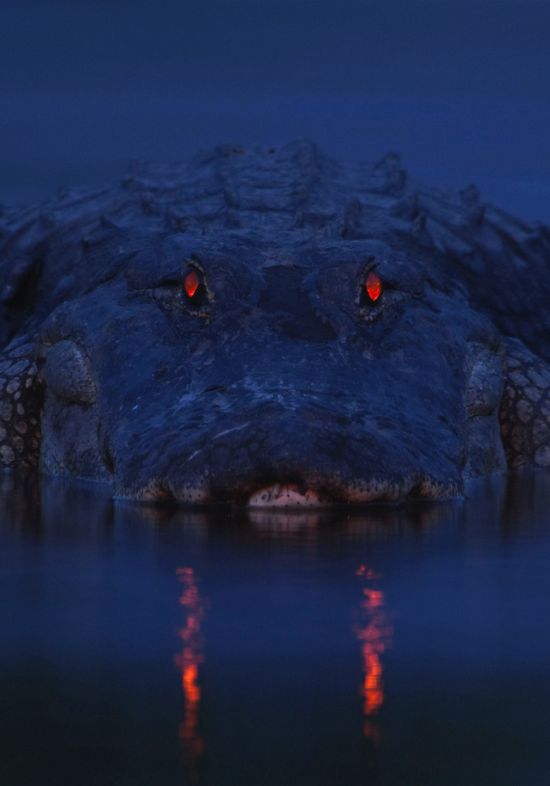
283 496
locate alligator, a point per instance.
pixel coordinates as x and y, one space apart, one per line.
274 328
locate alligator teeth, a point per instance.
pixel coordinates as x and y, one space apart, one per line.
283 496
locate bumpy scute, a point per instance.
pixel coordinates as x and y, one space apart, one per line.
525 407
283 374
20 407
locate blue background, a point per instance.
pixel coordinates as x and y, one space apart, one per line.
460 88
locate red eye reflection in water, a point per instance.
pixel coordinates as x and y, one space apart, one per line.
373 286
188 662
191 283
374 632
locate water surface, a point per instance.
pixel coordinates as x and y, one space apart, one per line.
389 646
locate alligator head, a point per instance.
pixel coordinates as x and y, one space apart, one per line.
270 351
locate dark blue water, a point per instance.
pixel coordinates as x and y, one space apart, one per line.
156 646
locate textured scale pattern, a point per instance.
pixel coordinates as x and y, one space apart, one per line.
276 216
525 408
20 405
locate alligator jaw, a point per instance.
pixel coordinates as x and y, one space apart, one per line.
284 496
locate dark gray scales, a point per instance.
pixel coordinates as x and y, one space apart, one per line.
286 385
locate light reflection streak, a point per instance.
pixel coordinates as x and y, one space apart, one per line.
188 662
374 632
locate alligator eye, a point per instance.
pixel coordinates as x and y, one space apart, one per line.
373 286
192 284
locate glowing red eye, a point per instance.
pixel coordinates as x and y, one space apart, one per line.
373 286
191 283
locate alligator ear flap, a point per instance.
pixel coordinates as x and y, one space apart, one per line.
525 408
21 396
67 373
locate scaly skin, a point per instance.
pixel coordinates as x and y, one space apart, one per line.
20 404
284 385
525 407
